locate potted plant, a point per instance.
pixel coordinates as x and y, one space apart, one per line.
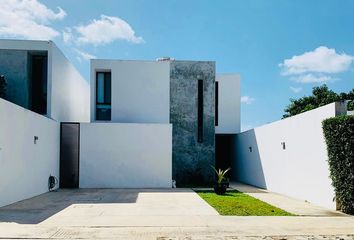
222 182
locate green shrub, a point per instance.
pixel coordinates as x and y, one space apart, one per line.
339 135
350 106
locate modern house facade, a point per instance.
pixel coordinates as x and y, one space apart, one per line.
181 93
136 124
143 124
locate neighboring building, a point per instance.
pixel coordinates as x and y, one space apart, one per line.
41 79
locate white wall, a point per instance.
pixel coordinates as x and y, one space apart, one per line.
118 155
25 166
70 92
229 103
140 90
301 170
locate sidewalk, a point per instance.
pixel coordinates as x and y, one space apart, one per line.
202 227
298 207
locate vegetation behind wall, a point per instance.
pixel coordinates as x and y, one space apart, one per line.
321 96
2 86
339 135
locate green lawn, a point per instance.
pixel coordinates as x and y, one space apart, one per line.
239 204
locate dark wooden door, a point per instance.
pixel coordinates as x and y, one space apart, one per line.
69 155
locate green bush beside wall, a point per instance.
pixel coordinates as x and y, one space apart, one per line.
339 135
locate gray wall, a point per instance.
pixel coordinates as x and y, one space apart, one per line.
14 66
192 161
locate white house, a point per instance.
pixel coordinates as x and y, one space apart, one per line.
137 124
181 93
142 124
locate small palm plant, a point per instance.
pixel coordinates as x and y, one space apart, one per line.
221 174
221 185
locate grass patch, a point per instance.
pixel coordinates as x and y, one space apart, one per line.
236 203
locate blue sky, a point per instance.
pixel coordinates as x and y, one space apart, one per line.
280 48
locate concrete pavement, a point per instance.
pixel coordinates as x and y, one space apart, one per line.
150 214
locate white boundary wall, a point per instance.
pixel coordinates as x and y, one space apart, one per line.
25 166
301 170
124 155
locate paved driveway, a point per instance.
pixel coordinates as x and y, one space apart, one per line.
107 207
150 214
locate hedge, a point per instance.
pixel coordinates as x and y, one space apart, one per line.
339 135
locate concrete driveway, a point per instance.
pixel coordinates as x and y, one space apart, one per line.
151 214
105 207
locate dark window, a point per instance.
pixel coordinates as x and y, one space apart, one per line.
103 96
200 111
39 83
216 103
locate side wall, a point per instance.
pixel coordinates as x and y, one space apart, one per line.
116 155
301 169
24 165
68 92
229 104
140 90
192 160
70 98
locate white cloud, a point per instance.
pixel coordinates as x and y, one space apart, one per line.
106 30
84 55
321 60
28 19
247 99
312 78
316 66
296 89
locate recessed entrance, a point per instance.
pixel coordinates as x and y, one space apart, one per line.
69 155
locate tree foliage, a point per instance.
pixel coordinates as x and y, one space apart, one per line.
321 96
3 85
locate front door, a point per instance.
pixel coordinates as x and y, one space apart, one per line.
69 155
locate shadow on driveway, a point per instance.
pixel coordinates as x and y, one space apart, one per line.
39 208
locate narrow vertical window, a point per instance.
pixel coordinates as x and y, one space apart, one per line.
216 103
200 110
103 96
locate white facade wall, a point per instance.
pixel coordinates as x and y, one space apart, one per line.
301 170
229 104
140 90
117 155
68 92
69 100
25 166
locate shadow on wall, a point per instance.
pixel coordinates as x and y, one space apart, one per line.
247 166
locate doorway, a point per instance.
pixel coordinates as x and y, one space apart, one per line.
69 155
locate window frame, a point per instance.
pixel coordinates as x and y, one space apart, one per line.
105 103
